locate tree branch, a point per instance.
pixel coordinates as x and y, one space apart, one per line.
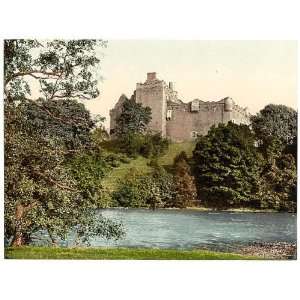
32 73
54 182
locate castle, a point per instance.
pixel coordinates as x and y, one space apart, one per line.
175 119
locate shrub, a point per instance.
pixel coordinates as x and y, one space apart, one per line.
151 190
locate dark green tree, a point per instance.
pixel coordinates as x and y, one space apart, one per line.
278 185
226 166
43 132
133 119
275 129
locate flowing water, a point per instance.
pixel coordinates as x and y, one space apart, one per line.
188 229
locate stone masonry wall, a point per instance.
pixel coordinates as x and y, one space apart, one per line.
152 94
185 125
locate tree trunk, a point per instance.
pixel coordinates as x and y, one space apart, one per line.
18 239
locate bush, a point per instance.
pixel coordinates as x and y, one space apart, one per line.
152 190
149 145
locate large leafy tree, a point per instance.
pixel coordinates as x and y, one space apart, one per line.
275 127
226 166
45 129
133 119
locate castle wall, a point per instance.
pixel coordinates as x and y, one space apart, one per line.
152 94
175 119
185 125
239 115
116 112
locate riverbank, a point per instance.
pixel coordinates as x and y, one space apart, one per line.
206 209
278 250
120 253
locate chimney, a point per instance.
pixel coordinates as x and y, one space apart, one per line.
171 85
151 76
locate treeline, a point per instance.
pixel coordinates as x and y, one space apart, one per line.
233 166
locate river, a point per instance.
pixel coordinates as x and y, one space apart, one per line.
192 229
188 229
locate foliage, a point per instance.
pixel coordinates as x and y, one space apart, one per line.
139 190
275 129
184 182
130 192
99 134
131 144
278 185
88 169
182 156
275 126
133 119
42 135
154 145
64 69
226 166
148 145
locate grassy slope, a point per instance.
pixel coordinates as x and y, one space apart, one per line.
140 163
118 253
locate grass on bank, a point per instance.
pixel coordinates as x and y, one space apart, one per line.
119 253
140 164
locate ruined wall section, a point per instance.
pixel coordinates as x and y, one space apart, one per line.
185 124
240 115
186 121
115 113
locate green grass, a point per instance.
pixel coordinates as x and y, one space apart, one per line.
118 253
140 164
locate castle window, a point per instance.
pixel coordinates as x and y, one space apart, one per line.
169 114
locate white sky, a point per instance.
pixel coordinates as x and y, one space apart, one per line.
253 73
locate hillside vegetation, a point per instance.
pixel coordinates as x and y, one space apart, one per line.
141 164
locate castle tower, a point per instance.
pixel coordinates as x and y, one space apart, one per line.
152 93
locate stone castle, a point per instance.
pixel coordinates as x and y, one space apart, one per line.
175 119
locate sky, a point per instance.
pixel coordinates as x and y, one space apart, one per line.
253 73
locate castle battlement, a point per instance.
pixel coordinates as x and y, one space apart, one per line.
178 120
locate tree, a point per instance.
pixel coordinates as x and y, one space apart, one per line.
278 185
226 166
133 119
43 134
275 127
184 182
